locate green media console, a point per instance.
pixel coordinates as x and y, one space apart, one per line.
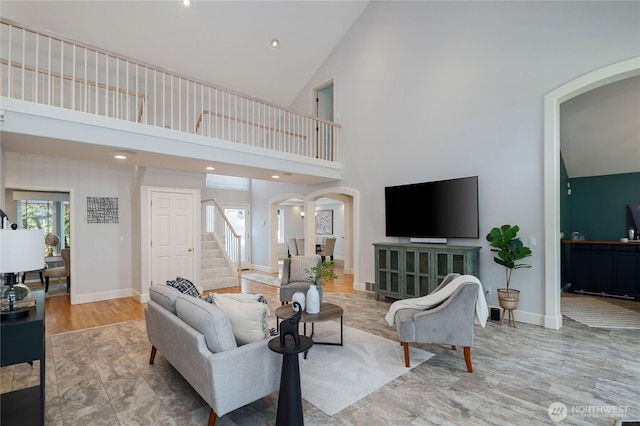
405 270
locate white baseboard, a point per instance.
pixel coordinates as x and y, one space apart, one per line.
359 286
97 297
524 316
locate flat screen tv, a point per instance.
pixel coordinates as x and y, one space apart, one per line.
438 209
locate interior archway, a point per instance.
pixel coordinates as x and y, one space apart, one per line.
350 198
552 101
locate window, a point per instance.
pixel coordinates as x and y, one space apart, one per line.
51 216
227 182
280 226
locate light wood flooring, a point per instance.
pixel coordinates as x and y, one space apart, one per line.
62 317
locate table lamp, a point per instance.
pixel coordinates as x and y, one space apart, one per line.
20 250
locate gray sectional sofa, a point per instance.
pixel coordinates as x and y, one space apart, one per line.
196 337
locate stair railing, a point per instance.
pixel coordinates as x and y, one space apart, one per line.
215 221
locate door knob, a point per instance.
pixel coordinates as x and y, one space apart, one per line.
190 249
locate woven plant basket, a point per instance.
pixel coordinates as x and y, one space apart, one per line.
508 299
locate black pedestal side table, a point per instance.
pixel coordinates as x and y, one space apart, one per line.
22 340
290 397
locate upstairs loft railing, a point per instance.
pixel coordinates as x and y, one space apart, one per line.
215 221
45 68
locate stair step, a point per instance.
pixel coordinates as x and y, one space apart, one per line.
216 283
210 273
213 262
208 245
211 253
207 236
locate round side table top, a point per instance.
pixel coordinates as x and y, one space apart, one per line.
328 311
289 346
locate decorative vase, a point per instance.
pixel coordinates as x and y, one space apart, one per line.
313 300
298 296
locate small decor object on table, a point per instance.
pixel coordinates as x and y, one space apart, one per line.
298 297
313 300
51 240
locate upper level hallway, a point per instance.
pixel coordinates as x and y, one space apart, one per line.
61 97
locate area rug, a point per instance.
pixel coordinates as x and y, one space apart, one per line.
598 313
335 377
264 279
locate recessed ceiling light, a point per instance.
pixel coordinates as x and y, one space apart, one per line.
275 43
122 155
211 168
276 176
186 3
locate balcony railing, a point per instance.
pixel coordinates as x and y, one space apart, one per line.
45 68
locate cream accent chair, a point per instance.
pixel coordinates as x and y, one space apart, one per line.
292 247
59 271
300 245
326 249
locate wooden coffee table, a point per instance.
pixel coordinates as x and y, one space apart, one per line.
328 312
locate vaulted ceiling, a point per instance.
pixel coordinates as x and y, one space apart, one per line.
227 43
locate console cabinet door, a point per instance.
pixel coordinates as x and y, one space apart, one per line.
387 272
417 273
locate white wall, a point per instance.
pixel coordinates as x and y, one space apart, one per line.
436 90
101 266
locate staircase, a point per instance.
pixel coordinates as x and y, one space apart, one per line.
216 272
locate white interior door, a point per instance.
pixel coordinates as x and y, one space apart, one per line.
238 216
172 246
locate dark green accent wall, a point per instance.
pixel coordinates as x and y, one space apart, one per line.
565 207
597 205
565 217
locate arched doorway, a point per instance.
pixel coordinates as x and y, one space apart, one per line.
350 199
552 101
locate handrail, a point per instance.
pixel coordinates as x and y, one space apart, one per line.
229 245
163 70
108 84
81 80
251 123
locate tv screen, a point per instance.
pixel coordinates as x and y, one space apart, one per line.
439 209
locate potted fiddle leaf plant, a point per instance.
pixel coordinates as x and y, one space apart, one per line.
509 251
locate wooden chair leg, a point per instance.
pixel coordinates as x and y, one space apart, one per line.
467 358
153 354
212 417
407 362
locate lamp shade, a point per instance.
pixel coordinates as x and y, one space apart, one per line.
21 250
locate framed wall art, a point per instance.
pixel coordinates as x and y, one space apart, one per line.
102 210
324 222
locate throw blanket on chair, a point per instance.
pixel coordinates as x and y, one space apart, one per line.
435 298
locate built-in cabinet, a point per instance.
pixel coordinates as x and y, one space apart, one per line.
604 267
405 270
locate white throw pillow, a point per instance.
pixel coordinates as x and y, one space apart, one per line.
248 317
